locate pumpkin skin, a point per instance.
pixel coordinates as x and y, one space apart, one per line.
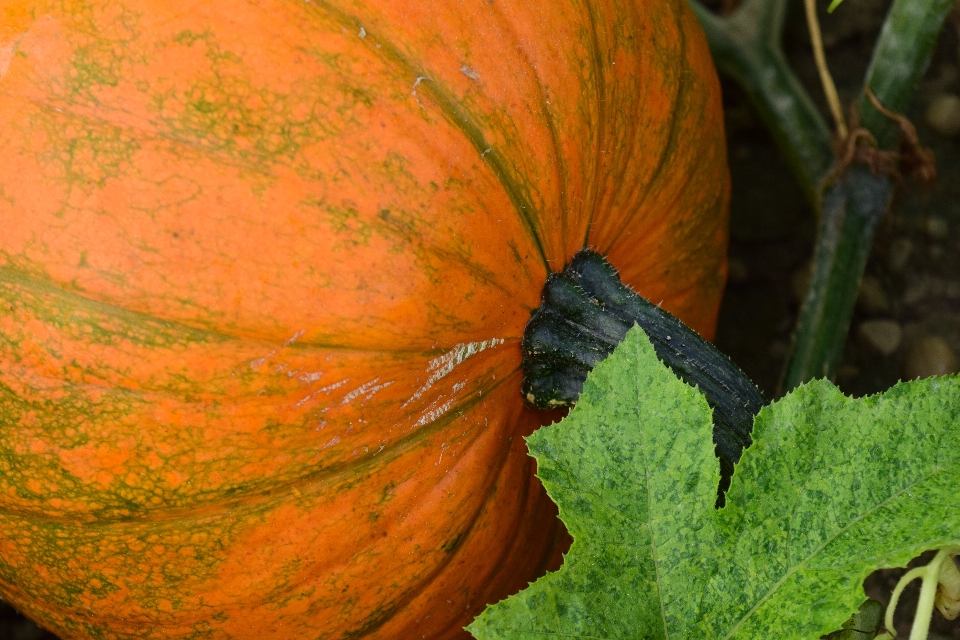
264 269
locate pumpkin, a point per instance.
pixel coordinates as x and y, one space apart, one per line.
265 267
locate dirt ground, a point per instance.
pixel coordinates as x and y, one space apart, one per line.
907 321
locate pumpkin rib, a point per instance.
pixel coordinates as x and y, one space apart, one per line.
631 129
667 151
505 551
29 282
481 274
600 124
549 551
558 156
383 616
658 224
447 104
427 580
478 272
495 161
131 623
193 332
316 481
694 282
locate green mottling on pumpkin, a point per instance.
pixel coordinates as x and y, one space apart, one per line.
99 584
517 257
346 222
452 183
518 187
401 228
103 61
386 494
98 323
65 587
87 152
395 165
228 113
451 545
187 37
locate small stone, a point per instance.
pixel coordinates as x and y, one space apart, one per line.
930 356
898 254
943 114
916 290
872 299
737 271
937 228
882 336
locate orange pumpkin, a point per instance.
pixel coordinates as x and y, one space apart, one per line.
265 267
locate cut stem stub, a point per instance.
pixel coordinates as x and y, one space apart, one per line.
586 311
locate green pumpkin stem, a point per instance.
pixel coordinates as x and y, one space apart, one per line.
586 311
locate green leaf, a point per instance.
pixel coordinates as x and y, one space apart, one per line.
833 5
832 489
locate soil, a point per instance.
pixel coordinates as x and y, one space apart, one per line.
913 274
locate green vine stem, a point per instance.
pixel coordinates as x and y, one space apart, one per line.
852 206
747 46
900 56
850 210
930 576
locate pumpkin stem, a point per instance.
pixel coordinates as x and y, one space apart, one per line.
586 311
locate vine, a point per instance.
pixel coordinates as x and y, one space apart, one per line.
940 588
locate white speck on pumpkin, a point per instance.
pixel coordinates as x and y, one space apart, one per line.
327 389
414 92
367 389
470 73
294 337
256 364
430 416
446 363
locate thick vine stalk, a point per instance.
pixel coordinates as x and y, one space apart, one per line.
746 46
